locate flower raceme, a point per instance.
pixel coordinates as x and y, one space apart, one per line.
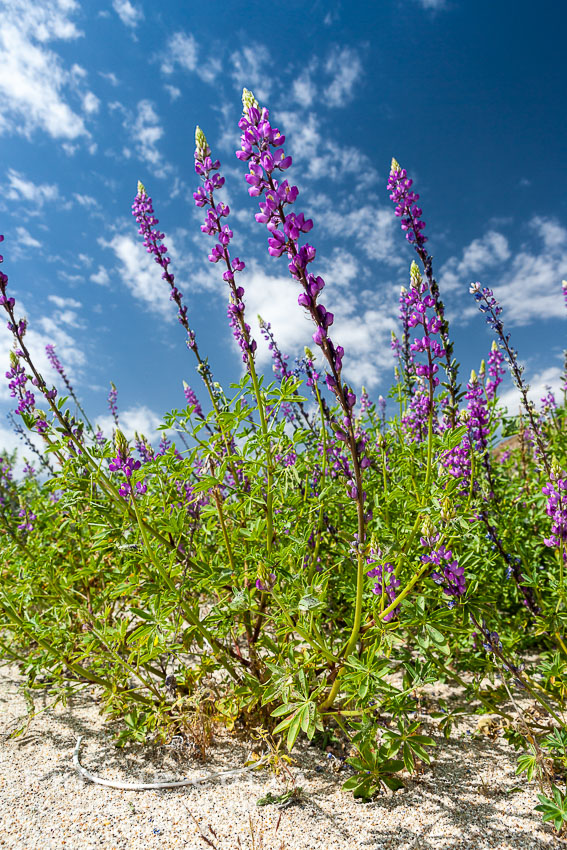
261 146
213 226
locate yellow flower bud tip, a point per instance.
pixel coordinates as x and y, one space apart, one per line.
482 369
248 101
395 166
141 188
494 345
564 284
415 273
309 353
474 378
200 139
403 290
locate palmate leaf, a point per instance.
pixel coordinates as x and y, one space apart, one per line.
554 809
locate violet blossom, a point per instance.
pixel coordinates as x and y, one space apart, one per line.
213 226
261 145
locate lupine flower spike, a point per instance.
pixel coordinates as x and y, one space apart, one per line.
262 148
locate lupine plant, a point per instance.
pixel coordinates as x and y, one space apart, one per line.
309 564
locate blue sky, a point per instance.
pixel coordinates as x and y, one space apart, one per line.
469 97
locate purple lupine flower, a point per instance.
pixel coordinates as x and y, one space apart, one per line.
192 400
457 462
127 465
564 287
495 370
492 310
29 470
112 398
143 447
17 380
449 574
262 147
548 404
477 421
386 582
407 210
213 226
143 212
365 404
27 519
56 363
556 509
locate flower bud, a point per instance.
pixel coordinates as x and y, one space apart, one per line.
415 275
141 188
395 166
200 142
248 101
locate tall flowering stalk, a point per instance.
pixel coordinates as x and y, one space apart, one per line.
112 403
492 310
409 213
262 147
213 225
58 366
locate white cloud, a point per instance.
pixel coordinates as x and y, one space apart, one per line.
249 70
33 79
86 201
432 4
346 69
25 239
146 132
110 76
129 14
550 377
139 419
183 51
484 253
41 331
142 275
323 157
527 281
173 92
21 189
304 89
373 228
91 103
101 277
362 323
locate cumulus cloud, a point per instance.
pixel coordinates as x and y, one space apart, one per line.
20 188
362 322
249 71
433 4
526 281
139 272
50 328
549 377
304 89
129 14
140 419
145 129
101 277
345 67
34 83
182 52
25 239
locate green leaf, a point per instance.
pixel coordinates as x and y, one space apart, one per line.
293 731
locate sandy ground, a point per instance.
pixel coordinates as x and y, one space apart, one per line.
465 799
